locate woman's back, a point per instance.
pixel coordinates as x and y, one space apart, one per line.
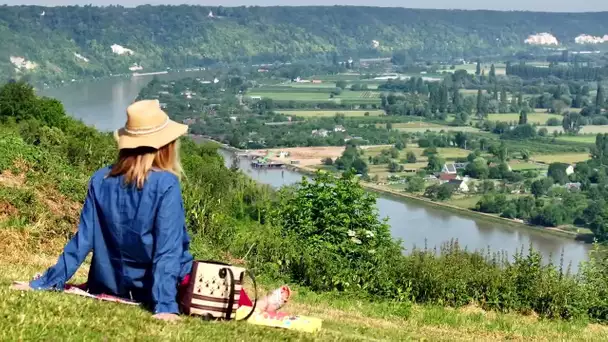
133 217
125 232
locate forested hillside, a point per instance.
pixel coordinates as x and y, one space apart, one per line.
71 42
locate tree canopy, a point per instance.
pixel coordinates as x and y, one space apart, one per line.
73 41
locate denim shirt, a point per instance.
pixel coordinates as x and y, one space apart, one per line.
138 237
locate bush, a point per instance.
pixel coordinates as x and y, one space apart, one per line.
554 122
415 184
492 203
410 157
599 120
340 238
440 192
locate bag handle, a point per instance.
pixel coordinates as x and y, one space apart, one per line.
231 293
255 292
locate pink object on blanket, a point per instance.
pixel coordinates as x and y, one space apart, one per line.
80 290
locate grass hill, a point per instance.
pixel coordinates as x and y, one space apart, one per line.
66 42
322 237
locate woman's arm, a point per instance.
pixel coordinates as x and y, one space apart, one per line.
74 252
168 232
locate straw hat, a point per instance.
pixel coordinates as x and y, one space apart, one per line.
148 126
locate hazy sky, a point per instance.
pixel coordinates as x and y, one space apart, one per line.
529 5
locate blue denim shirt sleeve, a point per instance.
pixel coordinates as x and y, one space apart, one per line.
74 252
169 233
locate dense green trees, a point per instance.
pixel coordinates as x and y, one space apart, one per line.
185 36
562 72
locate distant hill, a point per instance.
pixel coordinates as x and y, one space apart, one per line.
65 42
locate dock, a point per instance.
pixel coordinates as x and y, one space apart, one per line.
266 164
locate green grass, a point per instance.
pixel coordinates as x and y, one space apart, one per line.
294 96
465 202
316 95
561 158
471 67
587 139
522 166
329 85
589 129
538 118
60 317
439 128
449 153
331 113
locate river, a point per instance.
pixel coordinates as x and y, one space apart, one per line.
102 104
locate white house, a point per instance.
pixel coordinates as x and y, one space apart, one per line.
320 132
452 168
460 185
339 128
570 169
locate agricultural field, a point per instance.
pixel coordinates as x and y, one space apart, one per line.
437 128
471 67
465 202
331 113
316 94
411 124
449 153
294 96
518 165
533 118
587 139
589 129
329 85
568 158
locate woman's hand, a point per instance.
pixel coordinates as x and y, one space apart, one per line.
21 286
168 317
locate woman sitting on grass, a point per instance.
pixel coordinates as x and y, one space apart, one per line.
133 220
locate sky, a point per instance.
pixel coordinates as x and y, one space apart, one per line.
526 5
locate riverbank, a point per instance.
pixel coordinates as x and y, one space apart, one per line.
310 170
307 170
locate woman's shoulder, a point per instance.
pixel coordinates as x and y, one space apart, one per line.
100 174
163 180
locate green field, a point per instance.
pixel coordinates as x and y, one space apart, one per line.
412 124
471 67
588 139
587 130
439 128
449 153
523 166
561 158
331 113
537 118
294 96
330 85
316 94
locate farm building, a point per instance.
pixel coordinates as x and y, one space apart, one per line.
446 177
452 168
459 184
570 169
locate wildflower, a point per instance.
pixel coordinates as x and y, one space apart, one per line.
355 240
351 233
369 233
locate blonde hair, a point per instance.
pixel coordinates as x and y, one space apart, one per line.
135 163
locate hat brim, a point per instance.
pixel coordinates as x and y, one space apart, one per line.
156 140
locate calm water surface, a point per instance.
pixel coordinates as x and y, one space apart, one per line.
102 104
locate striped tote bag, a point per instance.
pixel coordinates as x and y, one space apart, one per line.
214 290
